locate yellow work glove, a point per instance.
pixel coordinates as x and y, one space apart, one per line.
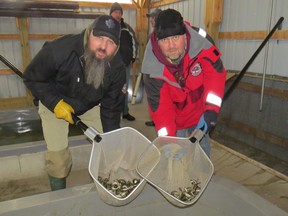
63 111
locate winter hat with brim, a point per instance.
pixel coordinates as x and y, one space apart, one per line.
154 13
169 23
106 25
116 6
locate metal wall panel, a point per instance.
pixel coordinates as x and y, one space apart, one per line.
254 15
277 63
10 85
54 26
277 59
244 15
57 25
69 26
8 25
191 10
11 50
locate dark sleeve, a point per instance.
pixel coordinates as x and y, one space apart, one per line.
135 42
113 100
129 44
38 77
152 89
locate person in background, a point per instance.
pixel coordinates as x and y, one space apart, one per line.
152 18
74 74
128 50
184 78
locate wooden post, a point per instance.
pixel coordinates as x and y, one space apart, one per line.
213 18
142 29
142 35
25 48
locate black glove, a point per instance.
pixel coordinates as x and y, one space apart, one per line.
207 121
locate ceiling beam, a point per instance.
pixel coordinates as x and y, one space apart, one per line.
162 3
9 4
49 14
102 4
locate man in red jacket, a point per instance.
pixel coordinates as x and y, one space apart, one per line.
184 78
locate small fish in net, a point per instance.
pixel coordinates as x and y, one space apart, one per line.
178 181
120 188
187 193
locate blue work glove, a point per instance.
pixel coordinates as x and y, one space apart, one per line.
207 121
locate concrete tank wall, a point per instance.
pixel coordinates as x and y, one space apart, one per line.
221 197
262 126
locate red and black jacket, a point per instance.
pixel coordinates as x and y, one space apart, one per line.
179 94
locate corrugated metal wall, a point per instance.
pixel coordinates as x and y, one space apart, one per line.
11 85
254 15
191 10
244 15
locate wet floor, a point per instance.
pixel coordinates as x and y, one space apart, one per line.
26 131
24 125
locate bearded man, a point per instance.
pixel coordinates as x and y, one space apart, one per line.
75 74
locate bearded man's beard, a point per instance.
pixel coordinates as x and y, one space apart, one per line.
94 69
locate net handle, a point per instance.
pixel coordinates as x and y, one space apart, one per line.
196 136
90 132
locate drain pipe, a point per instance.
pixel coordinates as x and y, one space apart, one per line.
265 63
263 79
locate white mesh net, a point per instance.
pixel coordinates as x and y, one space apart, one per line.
181 172
115 158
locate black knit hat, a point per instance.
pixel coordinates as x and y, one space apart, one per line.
169 23
116 6
106 25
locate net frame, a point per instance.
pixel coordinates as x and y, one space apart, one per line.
200 166
116 156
